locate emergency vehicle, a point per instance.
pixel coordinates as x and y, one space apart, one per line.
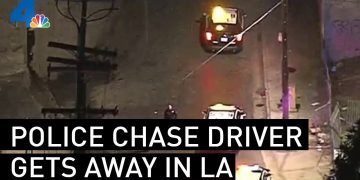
252 172
222 111
220 27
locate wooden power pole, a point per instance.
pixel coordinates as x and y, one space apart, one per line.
285 67
81 64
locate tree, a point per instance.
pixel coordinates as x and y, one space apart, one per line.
348 162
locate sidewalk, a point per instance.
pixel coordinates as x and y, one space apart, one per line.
309 82
14 95
16 99
22 92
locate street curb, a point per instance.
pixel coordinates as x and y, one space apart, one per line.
269 160
267 89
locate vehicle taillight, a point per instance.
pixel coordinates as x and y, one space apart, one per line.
208 36
239 37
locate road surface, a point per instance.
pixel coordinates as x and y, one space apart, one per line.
160 46
157 45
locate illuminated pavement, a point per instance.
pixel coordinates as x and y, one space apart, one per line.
168 50
164 48
157 45
310 81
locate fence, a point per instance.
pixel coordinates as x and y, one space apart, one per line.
346 112
335 129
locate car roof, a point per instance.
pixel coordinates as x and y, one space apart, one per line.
223 107
230 9
245 172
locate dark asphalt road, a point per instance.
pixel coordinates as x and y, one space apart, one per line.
170 42
164 48
157 44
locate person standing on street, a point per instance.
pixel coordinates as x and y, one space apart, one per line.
170 113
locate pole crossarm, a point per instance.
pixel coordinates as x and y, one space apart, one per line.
87 110
93 66
66 61
87 50
85 65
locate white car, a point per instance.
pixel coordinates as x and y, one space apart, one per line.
252 172
222 111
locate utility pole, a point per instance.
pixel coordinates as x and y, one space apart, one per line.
81 86
285 67
81 65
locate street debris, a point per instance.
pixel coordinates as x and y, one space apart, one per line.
315 104
344 108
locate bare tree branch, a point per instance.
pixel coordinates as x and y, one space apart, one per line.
102 10
64 15
71 15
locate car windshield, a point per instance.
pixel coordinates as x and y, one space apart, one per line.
224 15
221 115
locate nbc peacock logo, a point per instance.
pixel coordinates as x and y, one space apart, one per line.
40 21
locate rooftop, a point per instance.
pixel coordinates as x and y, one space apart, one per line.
222 107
